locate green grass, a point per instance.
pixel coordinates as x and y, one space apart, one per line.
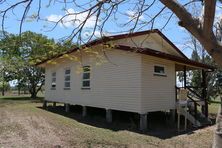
214 105
213 108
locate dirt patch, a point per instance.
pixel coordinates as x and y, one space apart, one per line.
26 125
27 131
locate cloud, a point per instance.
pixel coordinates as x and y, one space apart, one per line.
73 19
54 18
97 34
133 15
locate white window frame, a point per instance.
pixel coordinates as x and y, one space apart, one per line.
53 77
67 81
85 80
157 73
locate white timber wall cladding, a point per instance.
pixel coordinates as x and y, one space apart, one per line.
158 92
115 83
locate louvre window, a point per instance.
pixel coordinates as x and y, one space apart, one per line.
86 77
67 79
53 84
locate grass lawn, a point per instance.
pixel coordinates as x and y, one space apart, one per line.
24 123
213 108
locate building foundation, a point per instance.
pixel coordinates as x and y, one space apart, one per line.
84 111
67 107
172 115
54 104
143 122
109 115
44 104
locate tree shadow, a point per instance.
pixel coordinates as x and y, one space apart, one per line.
159 124
20 98
15 100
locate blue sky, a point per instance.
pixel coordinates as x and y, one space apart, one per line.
175 33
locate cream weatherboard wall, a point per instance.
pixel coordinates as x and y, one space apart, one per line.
125 82
158 91
120 80
115 84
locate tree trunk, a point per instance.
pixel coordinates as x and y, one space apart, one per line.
202 30
212 46
34 95
19 90
3 84
33 91
3 91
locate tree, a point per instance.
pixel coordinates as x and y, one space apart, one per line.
4 86
202 27
199 55
196 75
5 71
20 55
211 79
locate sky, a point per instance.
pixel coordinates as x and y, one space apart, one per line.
56 10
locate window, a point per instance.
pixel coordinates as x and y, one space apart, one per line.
67 79
53 84
159 70
86 77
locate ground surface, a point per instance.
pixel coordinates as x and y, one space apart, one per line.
24 124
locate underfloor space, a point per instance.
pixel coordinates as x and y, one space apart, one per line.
158 122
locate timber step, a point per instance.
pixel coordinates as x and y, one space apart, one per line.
200 119
204 121
190 117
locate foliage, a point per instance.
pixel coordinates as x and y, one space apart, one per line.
4 86
211 79
196 79
19 55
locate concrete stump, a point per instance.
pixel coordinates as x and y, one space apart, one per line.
172 115
109 115
143 122
84 111
54 104
44 104
67 107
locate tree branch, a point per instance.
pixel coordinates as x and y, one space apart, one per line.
194 26
186 19
209 14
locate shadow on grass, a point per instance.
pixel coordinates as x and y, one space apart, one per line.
159 124
20 98
216 102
